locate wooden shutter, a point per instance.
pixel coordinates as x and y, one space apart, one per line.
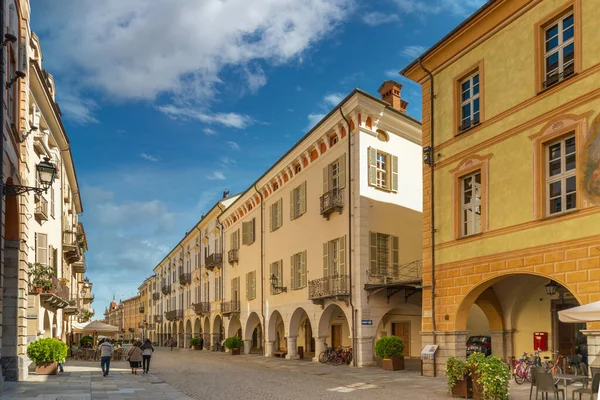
394 174
343 255
373 253
372 166
237 239
326 178
232 240
271 273
41 248
293 272
292 208
253 231
253 284
246 232
280 213
303 269
280 273
342 162
273 216
395 255
325 259
303 198
248 286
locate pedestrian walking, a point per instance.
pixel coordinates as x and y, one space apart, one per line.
147 350
134 356
61 361
106 351
172 342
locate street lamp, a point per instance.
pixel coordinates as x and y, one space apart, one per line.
551 288
46 172
275 282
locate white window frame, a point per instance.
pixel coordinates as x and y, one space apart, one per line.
474 205
559 24
335 175
470 101
382 165
562 176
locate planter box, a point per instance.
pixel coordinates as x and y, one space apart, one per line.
235 352
463 388
477 388
393 363
49 368
197 347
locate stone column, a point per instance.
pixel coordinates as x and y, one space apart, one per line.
247 346
188 337
206 341
16 364
269 349
593 347
364 352
215 340
502 344
292 348
451 343
319 347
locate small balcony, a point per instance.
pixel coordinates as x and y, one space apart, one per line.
165 289
151 326
71 247
131 330
406 278
185 278
202 308
41 208
233 256
215 260
141 325
230 307
57 295
332 201
141 309
174 315
80 266
72 308
158 318
556 77
155 296
328 287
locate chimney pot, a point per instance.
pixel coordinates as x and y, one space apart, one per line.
225 194
390 92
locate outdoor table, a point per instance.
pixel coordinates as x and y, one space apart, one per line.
567 377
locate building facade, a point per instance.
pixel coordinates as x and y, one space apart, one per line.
511 118
287 267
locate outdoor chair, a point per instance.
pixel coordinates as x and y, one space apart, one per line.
545 384
533 372
589 390
595 370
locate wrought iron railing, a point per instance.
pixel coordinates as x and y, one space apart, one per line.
568 71
468 124
165 289
141 309
131 330
155 296
158 318
409 272
332 201
228 307
233 256
41 207
72 247
330 286
214 260
202 308
185 278
174 315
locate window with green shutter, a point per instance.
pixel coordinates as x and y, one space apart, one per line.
276 212
298 201
248 232
298 270
383 170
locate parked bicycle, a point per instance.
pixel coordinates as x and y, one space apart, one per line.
522 368
341 355
554 366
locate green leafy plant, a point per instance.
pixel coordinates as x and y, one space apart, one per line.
456 370
234 342
40 275
86 339
491 374
196 341
86 315
389 346
47 350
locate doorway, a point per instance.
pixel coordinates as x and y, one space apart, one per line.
336 335
402 330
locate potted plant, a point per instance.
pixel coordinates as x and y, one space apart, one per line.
391 350
46 353
234 344
459 380
490 377
196 343
39 277
63 281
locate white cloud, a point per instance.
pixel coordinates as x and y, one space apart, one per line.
392 73
455 7
378 18
77 109
216 176
209 132
138 49
413 51
313 119
256 79
227 161
333 99
233 145
149 157
231 120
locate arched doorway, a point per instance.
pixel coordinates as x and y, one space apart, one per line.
301 327
235 327
276 334
197 328
207 340
181 335
217 332
253 334
188 333
333 326
402 320
510 308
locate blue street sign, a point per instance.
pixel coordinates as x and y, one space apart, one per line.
367 322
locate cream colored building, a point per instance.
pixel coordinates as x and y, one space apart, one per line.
148 299
285 265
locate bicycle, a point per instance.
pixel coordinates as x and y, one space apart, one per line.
522 370
326 355
554 366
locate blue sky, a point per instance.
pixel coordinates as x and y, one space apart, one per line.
169 102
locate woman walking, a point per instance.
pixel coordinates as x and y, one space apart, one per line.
134 356
147 350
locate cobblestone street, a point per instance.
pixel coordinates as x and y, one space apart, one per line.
183 375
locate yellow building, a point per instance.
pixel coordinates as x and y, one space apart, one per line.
148 297
512 184
132 318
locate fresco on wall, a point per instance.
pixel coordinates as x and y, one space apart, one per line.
591 163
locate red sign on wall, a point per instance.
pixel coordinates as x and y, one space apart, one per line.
540 341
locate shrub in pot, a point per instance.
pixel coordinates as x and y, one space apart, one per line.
46 353
234 343
459 380
196 343
490 377
391 350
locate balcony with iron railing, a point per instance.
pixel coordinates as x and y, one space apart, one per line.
215 260
72 307
233 256
141 309
174 315
150 326
72 247
332 201
80 266
202 308
165 288
556 77
407 278
158 318
57 295
328 287
230 307
41 208
155 296
131 330
185 278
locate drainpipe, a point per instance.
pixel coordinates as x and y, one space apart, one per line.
222 261
349 175
262 269
432 192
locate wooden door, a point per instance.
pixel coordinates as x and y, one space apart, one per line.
402 330
566 334
336 335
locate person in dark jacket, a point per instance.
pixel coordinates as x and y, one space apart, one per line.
147 350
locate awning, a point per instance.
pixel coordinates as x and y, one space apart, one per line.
586 313
94 327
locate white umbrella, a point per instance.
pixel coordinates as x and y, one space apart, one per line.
586 313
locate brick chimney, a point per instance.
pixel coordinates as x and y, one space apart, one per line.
390 93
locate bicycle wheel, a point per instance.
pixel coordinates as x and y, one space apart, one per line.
323 357
349 358
519 375
528 373
556 371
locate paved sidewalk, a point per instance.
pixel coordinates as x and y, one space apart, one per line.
83 381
